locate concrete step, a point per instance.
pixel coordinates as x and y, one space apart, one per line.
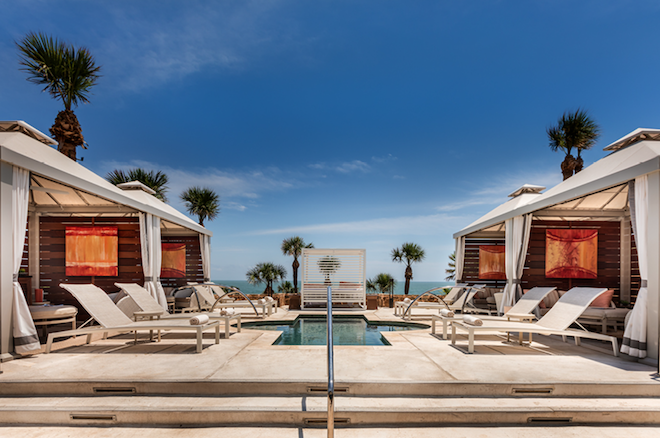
307 411
297 388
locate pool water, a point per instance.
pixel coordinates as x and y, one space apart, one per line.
351 330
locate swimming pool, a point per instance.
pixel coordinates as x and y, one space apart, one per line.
347 330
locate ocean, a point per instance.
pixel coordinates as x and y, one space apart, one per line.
416 287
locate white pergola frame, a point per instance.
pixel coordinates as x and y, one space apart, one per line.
348 282
636 154
23 146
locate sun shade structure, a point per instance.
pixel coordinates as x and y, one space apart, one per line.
342 269
38 182
622 190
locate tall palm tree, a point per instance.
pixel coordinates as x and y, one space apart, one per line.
411 253
573 131
451 269
66 73
201 201
155 180
293 246
266 273
381 283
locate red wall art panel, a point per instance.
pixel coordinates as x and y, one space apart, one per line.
91 251
492 262
173 263
571 253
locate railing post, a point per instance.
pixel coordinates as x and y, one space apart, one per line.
331 371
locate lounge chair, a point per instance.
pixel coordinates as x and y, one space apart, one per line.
449 298
111 319
521 311
268 304
556 322
150 307
462 304
204 291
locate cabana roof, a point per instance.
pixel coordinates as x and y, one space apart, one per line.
63 187
597 191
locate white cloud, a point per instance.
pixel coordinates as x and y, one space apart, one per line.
353 166
384 159
413 225
230 185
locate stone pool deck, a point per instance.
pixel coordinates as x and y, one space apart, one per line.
418 380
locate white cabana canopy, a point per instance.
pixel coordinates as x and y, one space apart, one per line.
59 186
599 192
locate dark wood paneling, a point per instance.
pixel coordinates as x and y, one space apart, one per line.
471 265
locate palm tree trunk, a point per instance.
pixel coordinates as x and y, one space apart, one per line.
295 267
68 133
408 278
568 166
579 163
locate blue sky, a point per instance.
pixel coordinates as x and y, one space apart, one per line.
354 124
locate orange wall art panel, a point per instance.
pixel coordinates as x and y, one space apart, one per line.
571 254
491 262
173 263
91 251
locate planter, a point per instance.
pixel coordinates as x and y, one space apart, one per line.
372 302
294 302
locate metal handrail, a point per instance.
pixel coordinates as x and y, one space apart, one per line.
232 290
331 371
425 293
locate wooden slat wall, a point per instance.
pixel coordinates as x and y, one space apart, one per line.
471 266
194 271
52 256
609 255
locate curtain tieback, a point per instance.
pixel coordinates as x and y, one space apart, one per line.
14 277
207 280
515 281
645 283
148 278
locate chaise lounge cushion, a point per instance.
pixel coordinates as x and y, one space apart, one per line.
603 300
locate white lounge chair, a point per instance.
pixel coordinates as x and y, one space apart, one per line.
521 311
462 304
565 312
111 319
449 298
268 305
204 291
150 307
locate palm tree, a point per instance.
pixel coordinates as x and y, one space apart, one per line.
67 74
451 270
266 273
293 246
411 253
201 201
155 180
381 282
286 288
328 265
573 131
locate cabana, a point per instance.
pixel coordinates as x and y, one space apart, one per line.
343 269
52 207
611 208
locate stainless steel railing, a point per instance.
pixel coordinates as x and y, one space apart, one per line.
331 371
428 292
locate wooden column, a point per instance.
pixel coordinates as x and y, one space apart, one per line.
624 274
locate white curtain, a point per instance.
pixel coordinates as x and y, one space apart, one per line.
205 247
152 256
516 240
460 258
25 335
634 337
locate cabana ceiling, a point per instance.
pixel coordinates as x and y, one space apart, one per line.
607 205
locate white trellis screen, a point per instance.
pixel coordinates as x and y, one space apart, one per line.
343 269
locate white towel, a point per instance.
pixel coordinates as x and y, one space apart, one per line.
406 301
472 320
262 301
199 320
270 299
446 313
